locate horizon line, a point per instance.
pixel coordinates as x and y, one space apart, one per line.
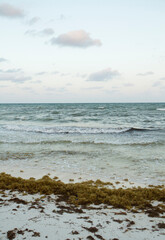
73 102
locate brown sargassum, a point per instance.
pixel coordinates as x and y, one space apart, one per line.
88 192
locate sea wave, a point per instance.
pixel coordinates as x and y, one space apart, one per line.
160 109
88 142
80 141
138 129
74 130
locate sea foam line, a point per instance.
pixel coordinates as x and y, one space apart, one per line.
74 130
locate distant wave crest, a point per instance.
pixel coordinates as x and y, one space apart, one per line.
79 142
160 109
72 130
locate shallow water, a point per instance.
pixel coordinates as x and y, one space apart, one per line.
112 141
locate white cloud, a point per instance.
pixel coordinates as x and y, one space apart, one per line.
3 60
13 70
81 75
163 78
111 91
36 81
7 10
145 74
62 17
51 89
41 73
128 85
42 33
93 88
27 88
64 74
11 78
32 32
157 84
13 75
47 31
33 20
78 38
55 72
69 84
103 75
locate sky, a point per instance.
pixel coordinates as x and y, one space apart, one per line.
82 51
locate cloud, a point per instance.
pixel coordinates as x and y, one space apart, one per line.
33 20
64 74
47 31
81 75
51 89
15 79
128 85
55 72
33 33
163 78
145 74
111 91
3 60
13 75
62 89
42 33
62 17
13 70
103 75
93 88
156 84
27 88
41 73
7 10
78 38
36 81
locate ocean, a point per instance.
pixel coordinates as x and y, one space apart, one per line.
108 141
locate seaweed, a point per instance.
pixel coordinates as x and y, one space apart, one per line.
88 192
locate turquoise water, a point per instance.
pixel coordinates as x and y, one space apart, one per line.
99 140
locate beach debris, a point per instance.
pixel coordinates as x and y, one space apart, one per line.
90 238
11 234
91 229
75 232
88 193
161 225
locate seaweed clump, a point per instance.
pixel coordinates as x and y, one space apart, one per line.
86 193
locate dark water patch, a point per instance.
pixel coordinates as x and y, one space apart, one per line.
55 112
16 156
65 152
47 119
78 114
36 142
88 143
140 130
143 144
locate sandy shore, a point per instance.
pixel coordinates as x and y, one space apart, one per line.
25 216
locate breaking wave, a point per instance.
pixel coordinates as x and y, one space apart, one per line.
73 130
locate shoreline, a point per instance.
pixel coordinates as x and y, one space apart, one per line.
65 176
47 216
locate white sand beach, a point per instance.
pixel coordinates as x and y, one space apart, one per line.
25 216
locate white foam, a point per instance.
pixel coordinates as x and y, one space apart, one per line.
160 109
64 129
